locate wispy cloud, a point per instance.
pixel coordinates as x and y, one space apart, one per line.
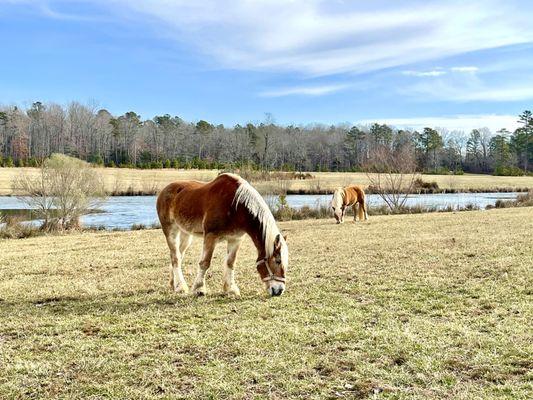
441 71
464 69
304 91
319 37
469 88
437 72
454 122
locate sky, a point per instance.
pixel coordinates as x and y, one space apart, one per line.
451 64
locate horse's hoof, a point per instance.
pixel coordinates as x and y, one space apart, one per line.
234 291
199 293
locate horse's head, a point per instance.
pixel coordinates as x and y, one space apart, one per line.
337 205
272 269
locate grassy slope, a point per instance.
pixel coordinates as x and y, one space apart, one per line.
410 306
150 180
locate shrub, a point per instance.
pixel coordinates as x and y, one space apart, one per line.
138 227
502 170
98 160
522 200
423 186
65 189
12 227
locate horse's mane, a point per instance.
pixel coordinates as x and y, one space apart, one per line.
250 198
338 196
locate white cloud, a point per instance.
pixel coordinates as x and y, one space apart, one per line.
437 72
319 37
440 71
464 69
455 122
303 90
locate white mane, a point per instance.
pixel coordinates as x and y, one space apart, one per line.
338 197
256 205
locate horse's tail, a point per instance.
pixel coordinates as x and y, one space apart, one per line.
363 215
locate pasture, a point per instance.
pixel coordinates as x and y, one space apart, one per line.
150 181
405 306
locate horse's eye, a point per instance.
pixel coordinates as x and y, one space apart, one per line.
333 208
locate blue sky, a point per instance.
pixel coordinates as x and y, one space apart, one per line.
452 64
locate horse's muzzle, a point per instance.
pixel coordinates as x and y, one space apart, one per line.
276 291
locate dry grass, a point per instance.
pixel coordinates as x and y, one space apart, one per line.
409 306
331 180
123 179
119 180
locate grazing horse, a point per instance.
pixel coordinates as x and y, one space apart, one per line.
349 196
226 208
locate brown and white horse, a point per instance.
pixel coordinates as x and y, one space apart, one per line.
226 208
349 196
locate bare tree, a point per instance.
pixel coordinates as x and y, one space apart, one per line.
28 136
392 174
65 189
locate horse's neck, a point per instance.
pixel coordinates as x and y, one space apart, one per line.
255 231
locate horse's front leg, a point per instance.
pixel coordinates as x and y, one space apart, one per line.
207 253
230 286
177 244
355 209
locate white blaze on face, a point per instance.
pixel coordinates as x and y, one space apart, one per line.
276 265
336 204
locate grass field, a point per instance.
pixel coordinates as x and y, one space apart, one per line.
119 179
408 306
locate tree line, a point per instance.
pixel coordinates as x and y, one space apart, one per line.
28 136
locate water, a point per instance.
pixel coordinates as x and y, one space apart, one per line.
124 211
440 201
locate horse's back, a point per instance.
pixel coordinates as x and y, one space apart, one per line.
187 203
355 193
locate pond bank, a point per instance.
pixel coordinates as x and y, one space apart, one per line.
138 212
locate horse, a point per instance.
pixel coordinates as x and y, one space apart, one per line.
227 208
349 196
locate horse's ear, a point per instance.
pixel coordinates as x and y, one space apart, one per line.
277 242
285 235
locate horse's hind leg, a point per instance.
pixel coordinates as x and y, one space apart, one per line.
362 211
229 277
356 208
207 253
177 243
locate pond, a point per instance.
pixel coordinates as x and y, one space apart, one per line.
124 211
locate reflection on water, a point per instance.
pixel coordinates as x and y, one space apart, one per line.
124 211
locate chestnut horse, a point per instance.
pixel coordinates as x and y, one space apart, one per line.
226 208
343 198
